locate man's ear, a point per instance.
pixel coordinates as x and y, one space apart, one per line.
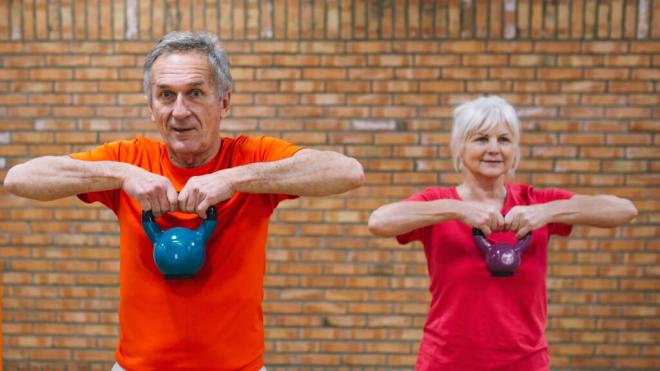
151 112
225 104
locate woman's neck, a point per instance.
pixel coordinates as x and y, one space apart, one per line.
482 190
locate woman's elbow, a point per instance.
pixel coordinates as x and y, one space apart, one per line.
623 212
377 226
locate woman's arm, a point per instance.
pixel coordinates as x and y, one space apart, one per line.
401 217
603 211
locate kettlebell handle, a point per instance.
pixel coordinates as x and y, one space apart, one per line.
521 243
152 229
211 214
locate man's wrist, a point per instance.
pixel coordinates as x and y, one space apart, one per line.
239 178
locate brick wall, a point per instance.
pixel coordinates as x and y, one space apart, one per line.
375 80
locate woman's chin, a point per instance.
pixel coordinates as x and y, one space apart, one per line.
492 173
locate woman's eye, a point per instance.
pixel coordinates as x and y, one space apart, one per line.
481 139
505 139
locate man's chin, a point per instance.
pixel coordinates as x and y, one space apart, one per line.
183 145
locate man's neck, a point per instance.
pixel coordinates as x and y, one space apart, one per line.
192 160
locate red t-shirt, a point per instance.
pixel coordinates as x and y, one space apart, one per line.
211 322
477 321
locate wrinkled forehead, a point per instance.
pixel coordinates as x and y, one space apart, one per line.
174 68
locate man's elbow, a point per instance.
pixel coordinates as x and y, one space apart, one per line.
630 211
12 180
20 181
355 173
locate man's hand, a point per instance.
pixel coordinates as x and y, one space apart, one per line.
524 219
201 192
483 217
153 192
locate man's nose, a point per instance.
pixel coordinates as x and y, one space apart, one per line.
180 110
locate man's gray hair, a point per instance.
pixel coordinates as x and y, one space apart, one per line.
181 42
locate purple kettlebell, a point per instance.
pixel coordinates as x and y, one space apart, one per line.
502 259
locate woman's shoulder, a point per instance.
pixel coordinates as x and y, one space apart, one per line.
531 194
435 193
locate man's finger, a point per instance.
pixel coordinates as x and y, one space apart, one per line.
172 199
155 206
201 208
145 204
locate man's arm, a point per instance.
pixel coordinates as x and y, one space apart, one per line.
307 173
52 177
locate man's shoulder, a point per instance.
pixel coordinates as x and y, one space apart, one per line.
145 143
129 150
245 143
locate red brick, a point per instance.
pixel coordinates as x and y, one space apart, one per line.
627 60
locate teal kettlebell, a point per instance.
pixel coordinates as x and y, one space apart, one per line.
179 252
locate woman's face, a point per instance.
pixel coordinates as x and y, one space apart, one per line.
489 153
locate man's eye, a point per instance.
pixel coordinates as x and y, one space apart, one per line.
196 93
166 94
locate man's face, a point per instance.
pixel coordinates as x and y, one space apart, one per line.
186 107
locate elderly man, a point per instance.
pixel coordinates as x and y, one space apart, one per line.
213 320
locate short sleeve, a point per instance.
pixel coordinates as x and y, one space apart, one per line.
106 152
419 233
273 149
554 194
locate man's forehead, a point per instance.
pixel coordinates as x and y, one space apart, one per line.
195 83
187 69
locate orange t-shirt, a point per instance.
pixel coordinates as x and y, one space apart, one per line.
211 322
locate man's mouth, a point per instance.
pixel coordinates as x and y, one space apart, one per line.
182 130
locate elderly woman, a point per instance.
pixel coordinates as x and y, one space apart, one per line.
477 320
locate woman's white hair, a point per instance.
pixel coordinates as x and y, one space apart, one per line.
479 115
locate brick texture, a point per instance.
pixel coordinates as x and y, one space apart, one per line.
372 79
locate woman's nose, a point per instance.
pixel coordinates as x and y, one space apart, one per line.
493 145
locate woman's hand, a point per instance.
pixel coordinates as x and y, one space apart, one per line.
483 217
524 219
